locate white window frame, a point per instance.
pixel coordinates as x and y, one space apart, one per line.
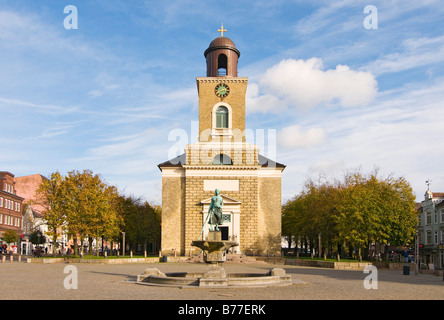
215 131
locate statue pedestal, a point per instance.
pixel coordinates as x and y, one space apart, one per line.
214 248
214 236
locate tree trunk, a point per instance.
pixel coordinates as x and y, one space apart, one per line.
81 246
76 246
90 245
54 242
97 246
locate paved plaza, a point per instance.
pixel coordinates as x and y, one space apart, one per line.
20 280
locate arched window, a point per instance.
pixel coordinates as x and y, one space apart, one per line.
222 159
222 65
222 117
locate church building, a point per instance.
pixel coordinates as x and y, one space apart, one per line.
249 183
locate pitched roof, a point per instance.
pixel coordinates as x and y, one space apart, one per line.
175 162
438 194
180 160
265 162
440 204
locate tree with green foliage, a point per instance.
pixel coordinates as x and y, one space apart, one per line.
37 237
50 198
141 221
355 212
9 236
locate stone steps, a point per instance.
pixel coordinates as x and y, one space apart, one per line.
231 258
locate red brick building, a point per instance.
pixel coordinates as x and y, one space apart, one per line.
11 205
26 187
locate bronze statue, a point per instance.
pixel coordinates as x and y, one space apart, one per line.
215 211
214 216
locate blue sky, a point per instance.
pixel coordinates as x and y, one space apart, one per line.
107 95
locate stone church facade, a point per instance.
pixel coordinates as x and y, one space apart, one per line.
250 184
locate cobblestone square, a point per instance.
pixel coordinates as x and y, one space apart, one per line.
23 281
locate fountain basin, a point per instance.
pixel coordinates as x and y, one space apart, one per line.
214 248
214 277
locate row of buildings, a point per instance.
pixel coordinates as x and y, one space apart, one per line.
19 211
430 229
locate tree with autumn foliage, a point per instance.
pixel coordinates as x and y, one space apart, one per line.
355 212
312 213
90 206
50 199
82 204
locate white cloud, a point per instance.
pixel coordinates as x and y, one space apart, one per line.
124 146
323 17
96 93
57 129
401 134
304 84
414 52
29 31
264 103
294 136
49 108
329 167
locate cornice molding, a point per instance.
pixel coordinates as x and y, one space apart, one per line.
221 79
220 167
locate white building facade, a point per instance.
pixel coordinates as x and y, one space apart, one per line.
431 229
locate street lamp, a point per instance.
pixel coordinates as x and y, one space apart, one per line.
123 244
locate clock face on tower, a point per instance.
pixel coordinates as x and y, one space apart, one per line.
222 90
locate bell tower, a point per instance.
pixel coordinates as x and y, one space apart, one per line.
222 159
221 93
222 56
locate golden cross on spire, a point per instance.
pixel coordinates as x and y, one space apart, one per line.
222 30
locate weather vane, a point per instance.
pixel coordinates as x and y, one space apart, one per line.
428 182
222 30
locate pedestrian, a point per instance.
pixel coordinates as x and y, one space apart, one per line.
406 256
